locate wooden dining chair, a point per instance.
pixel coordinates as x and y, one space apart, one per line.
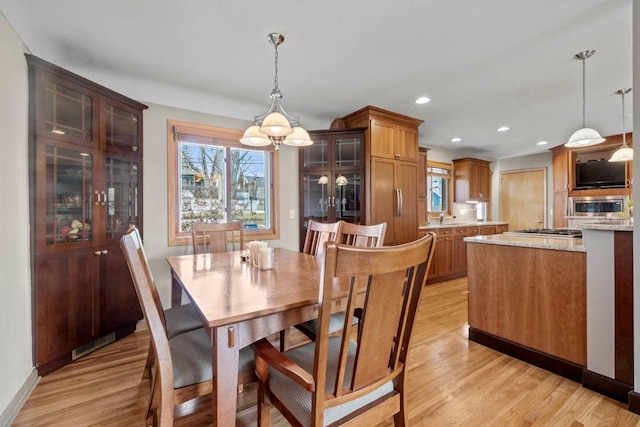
183 364
176 320
318 233
217 237
368 236
341 380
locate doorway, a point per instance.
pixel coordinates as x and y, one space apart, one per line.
523 195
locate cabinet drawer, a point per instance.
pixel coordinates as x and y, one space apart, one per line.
443 232
473 231
460 231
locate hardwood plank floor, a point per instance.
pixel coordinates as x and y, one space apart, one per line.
452 382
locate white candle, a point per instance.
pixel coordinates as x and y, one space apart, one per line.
265 259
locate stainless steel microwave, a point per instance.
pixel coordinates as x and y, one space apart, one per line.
598 205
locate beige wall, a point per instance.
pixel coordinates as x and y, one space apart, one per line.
155 189
15 288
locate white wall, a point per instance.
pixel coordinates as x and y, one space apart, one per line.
15 288
155 228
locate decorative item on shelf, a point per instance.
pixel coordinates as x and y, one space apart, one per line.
275 126
624 153
584 136
341 181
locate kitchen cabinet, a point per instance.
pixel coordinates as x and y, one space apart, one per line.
85 188
422 186
563 165
332 178
391 171
472 180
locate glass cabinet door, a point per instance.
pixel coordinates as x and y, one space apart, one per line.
121 196
316 199
317 154
65 113
348 150
69 196
121 128
347 190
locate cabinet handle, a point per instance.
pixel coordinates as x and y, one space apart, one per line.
397 202
104 202
333 201
97 253
401 202
104 252
97 202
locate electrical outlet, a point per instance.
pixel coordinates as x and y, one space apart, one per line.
292 214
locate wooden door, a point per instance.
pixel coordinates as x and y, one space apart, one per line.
522 198
382 139
383 196
406 143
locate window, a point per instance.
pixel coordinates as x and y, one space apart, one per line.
439 180
214 178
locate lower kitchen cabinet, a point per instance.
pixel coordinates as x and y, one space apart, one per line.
450 257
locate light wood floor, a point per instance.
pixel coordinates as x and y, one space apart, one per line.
452 382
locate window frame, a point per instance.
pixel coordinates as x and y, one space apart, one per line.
227 138
450 177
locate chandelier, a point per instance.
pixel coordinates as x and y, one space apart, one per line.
275 126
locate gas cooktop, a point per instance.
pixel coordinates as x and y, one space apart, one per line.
549 232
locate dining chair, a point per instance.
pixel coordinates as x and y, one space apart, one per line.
176 320
318 233
217 237
341 380
370 236
183 364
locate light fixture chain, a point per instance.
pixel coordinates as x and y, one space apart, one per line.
584 103
275 79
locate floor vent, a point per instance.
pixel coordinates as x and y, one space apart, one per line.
93 346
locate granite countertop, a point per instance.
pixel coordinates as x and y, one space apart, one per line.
608 225
554 243
460 224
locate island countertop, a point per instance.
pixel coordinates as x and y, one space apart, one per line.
554 243
448 224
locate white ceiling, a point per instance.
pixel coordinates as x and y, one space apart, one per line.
483 63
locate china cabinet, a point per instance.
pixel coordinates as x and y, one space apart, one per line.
391 165
85 167
332 178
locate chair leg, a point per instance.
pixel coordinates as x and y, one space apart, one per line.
284 339
264 403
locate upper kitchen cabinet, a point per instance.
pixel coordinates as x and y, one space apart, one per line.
332 178
85 180
391 171
472 180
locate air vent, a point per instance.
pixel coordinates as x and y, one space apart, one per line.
93 346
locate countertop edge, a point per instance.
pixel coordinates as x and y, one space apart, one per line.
558 244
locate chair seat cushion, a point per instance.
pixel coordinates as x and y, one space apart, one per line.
298 400
192 358
336 323
181 319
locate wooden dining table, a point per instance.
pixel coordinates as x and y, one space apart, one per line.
238 304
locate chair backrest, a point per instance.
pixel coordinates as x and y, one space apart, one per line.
394 277
217 237
317 234
369 236
147 296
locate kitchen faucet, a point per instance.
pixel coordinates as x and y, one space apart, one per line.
441 217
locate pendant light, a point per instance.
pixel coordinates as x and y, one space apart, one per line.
584 136
275 126
624 153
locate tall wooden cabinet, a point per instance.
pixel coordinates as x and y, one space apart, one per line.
85 167
332 186
391 170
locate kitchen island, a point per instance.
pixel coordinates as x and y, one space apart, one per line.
527 298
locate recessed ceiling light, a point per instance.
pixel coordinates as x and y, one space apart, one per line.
503 128
542 143
456 139
422 100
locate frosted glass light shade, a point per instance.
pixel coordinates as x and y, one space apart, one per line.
275 124
323 179
252 136
299 138
341 180
623 154
584 137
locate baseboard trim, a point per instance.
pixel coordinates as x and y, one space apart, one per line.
10 413
562 367
610 387
634 402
